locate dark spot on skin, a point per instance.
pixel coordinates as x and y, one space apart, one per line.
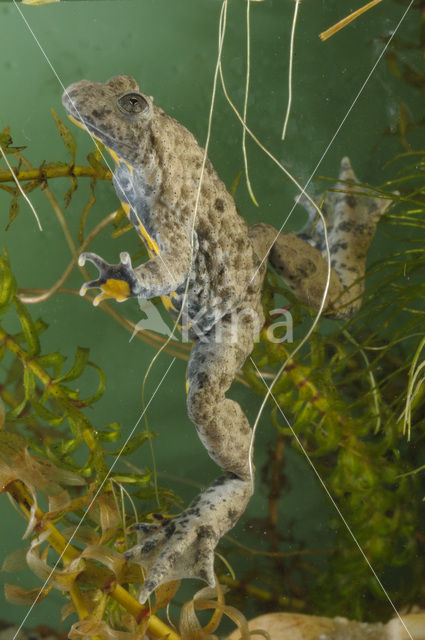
219 204
144 528
305 270
169 529
350 200
345 226
173 557
201 379
238 261
205 532
226 294
338 246
147 546
232 514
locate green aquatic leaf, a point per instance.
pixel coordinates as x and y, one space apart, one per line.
110 432
68 195
134 443
66 135
14 414
54 360
80 362
31 185
28 327
83 217
45 414
13 212
29 381
39 326
7 283
100 389
95 161
133 478
6 142
10 190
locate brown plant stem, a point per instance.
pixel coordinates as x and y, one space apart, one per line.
43 174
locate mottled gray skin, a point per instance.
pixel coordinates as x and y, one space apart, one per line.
351 216
166 162
158 167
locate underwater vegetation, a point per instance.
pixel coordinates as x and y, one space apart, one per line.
352 399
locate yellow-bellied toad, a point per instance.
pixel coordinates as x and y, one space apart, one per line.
158 167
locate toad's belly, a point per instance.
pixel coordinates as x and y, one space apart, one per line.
196 319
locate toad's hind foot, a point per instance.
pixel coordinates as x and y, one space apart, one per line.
116 281
351 211
184 546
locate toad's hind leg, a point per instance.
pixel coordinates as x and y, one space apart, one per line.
220 422
184 546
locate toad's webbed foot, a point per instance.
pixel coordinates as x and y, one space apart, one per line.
351 213
183 547
116 281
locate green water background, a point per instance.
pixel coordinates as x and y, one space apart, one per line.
170 47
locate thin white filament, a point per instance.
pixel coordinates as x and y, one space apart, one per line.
291 64
245 104
31 206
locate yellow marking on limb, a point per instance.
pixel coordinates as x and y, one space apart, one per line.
151 244
117 289
153 248
78 124
115 157
168 303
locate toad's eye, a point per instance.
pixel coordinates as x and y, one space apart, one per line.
133 103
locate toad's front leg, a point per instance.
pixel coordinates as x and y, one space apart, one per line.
116 281
184 546
159 276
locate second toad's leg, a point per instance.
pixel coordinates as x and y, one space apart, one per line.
184 546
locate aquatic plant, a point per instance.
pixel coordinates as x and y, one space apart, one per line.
345 397
354 402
